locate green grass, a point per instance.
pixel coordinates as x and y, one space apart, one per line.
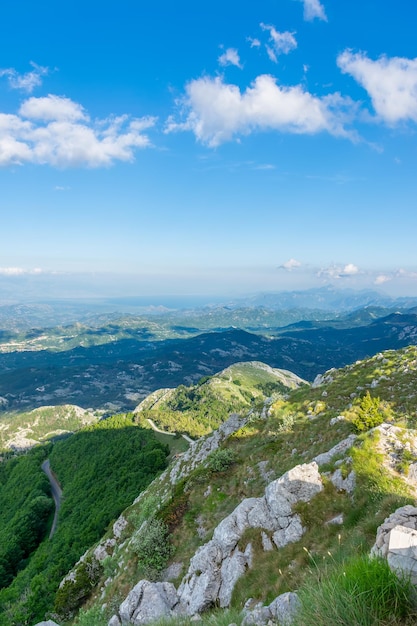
359 592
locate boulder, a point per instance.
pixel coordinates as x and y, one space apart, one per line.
282 610
402 551
148 602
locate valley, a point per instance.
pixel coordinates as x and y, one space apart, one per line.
329 403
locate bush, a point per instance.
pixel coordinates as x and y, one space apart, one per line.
369 413
73 593
152 547
360 592
220 460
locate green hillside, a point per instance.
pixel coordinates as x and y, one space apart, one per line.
199 409
282 424
294 429
101 468
20 431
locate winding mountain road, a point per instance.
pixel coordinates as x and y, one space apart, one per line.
56 493
164 432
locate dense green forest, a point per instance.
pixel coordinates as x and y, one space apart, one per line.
25 508
101 469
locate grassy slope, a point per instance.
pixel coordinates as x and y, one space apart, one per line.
20 429
297 429
201 408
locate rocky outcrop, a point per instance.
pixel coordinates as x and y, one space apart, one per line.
147 601
340 448
396 540
217 565
199 450
282 610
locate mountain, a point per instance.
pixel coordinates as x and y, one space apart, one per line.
283 498
198 409
113 374
329 298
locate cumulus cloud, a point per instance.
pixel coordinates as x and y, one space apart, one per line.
337 271
230 57
290 265
26 82
314 9
254 42
52 108
390 82
382 278
281 43
56 131
216 111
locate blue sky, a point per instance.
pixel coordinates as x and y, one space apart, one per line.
207 148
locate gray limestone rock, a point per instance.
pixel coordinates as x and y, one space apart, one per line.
231 570
402 551
266 543
148 602
218 564
404 516
282 610
339 448
199 589
119 526
292 533
344 484
285 608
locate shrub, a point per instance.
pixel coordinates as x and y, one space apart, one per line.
73 593
152 547
220 460
369 413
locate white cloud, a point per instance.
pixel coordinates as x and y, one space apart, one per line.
314 9
400 274
281 43
390 82
337 271
350 270
216 111
52 108
26 82
56 131
381 279
254 42
230 57
290 265
19 271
